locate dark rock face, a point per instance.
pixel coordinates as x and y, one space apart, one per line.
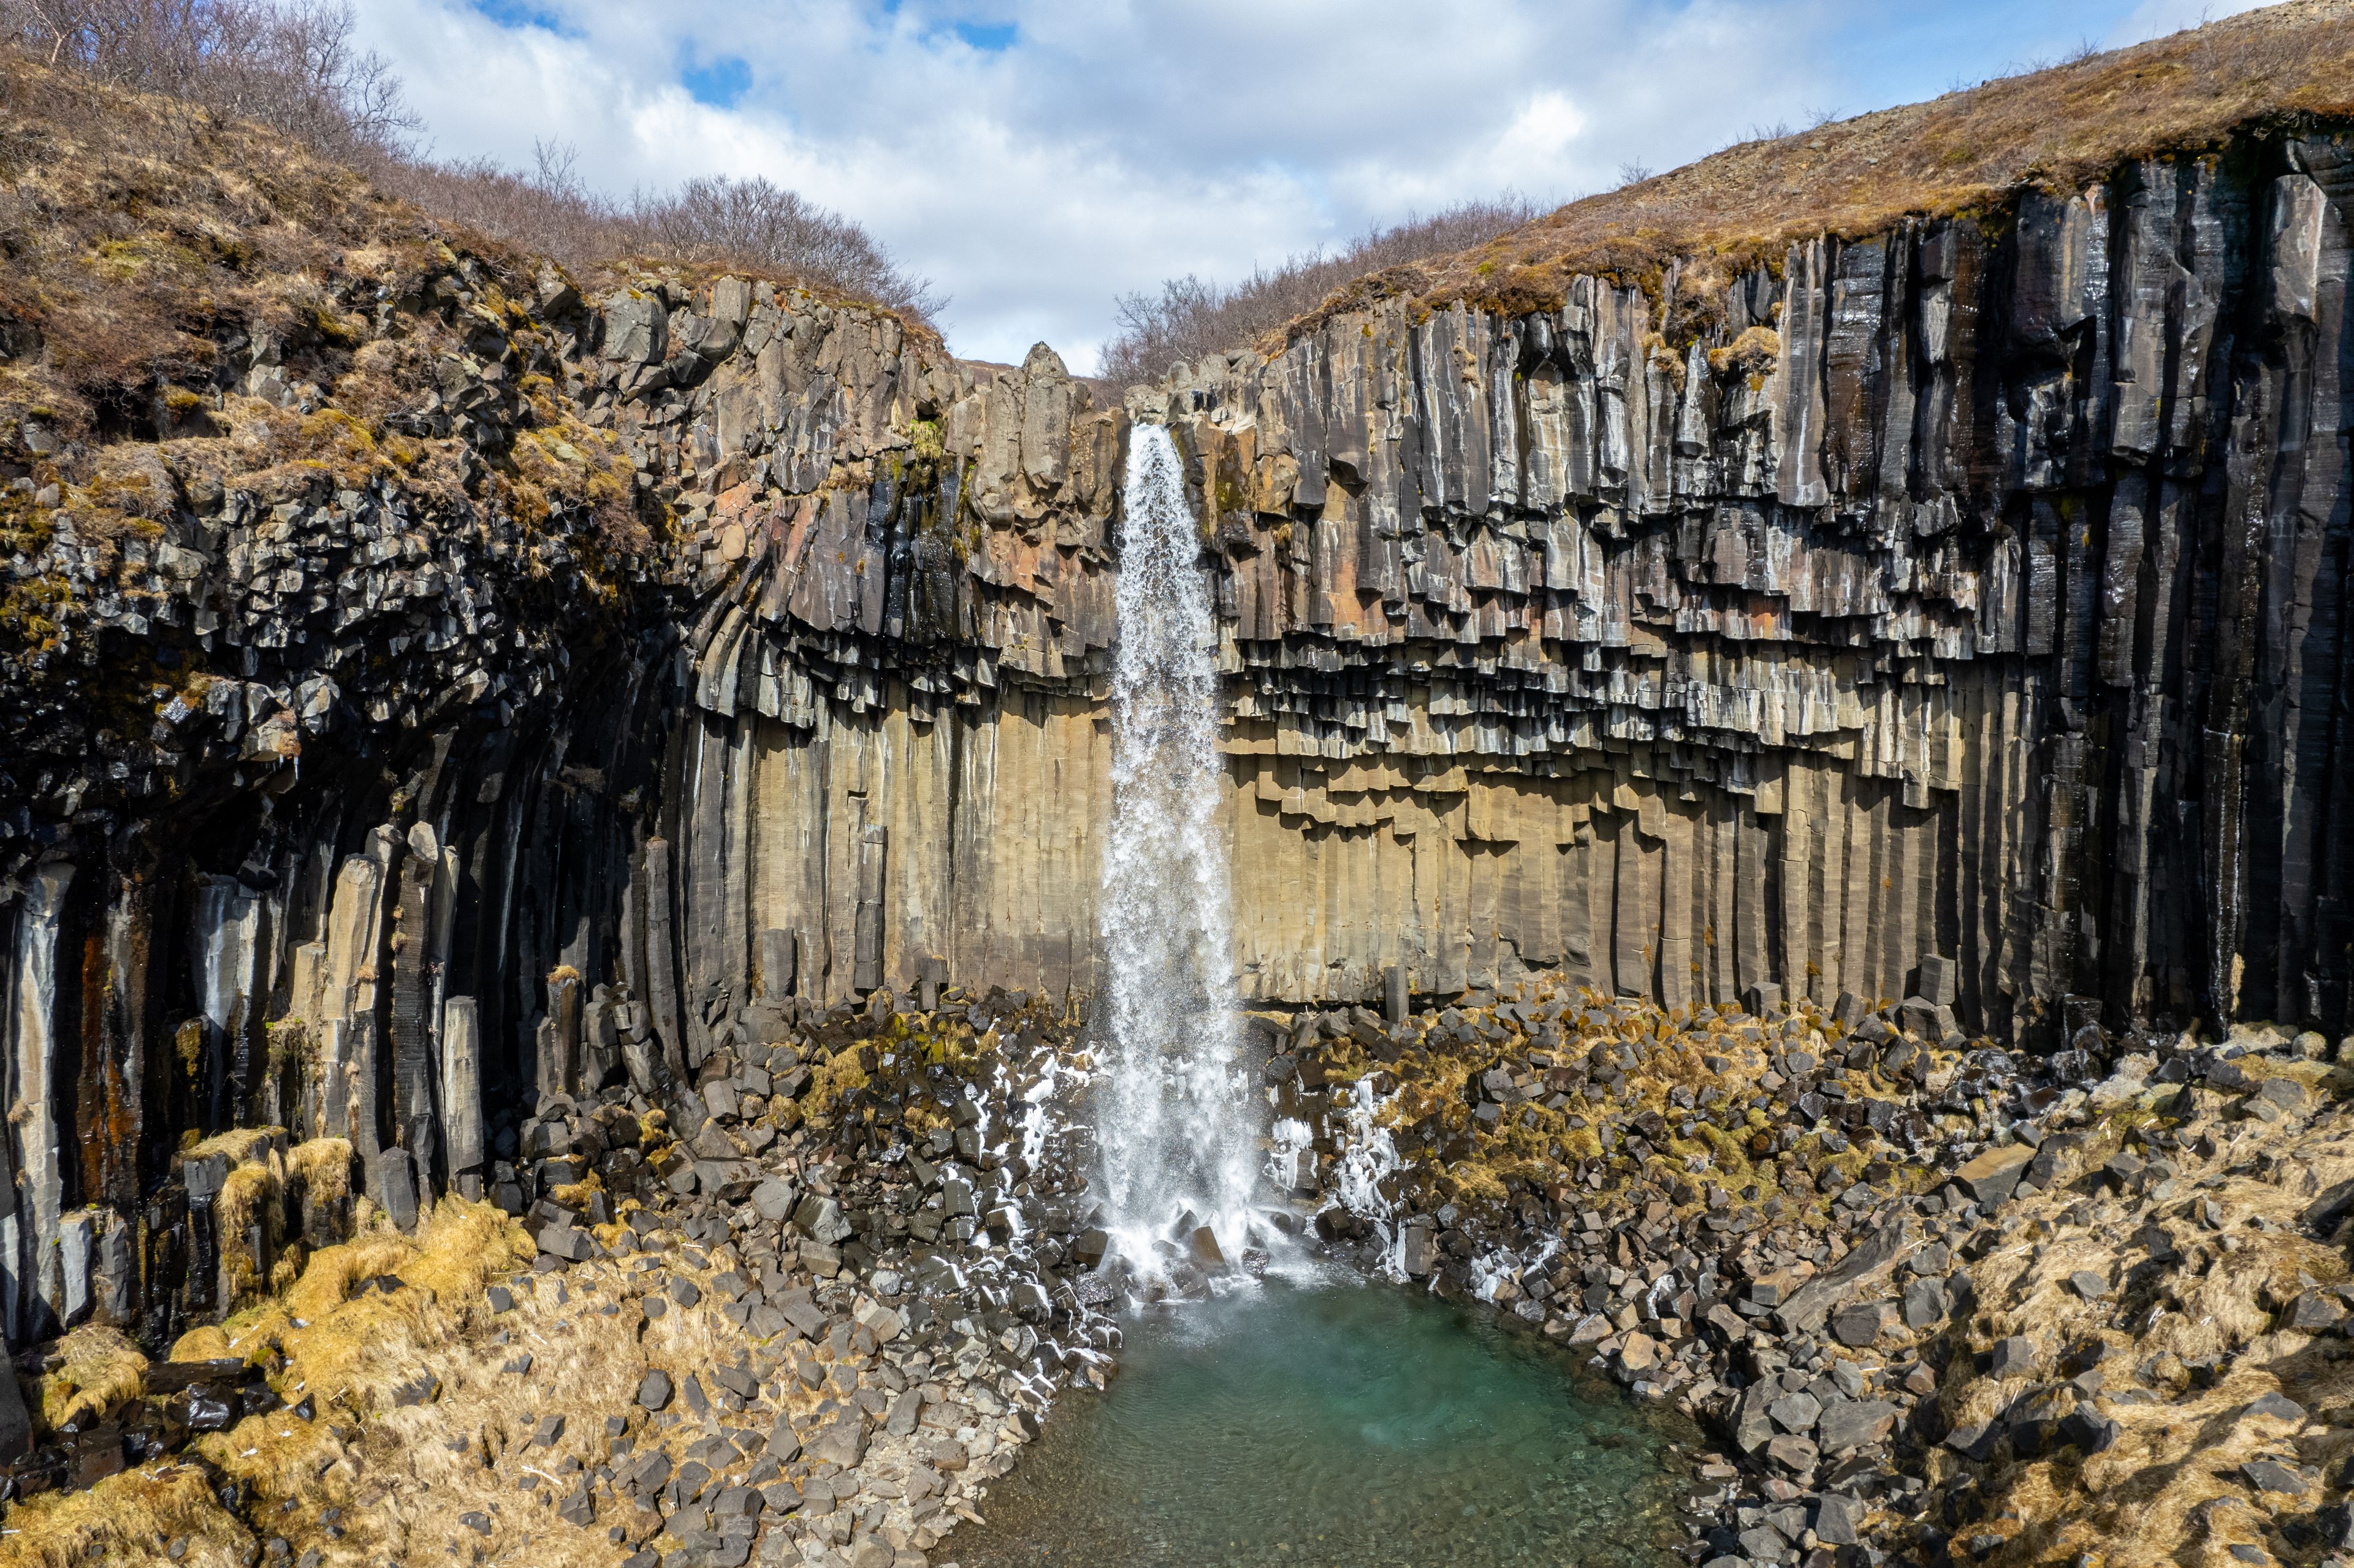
1935 610
1950 615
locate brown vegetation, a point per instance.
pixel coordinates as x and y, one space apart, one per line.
748 226
151 252
359 1324
1191 317
2192 1355
292 66
2054 129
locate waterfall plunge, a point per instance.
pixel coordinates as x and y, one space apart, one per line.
1177 1118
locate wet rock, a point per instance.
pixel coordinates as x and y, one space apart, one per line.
1419 1249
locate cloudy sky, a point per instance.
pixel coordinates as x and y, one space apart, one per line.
1037 158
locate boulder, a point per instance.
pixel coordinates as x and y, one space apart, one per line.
2013 1357
1417 1248
842 1441
1838 1520
1860 1325
2087 1430
1925 1304
774 1200
1852 1423
1991 1176
1871 1260
2272 1476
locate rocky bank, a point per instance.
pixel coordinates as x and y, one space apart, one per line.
1937 1303
813 1332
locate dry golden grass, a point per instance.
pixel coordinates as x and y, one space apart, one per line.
102 1370
324 1165
345 1350
400 1474
1535 1145
136 225
1970 150
2169 1489
126 1519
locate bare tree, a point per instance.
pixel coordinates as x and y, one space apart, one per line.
1191 316
756 223
295 67
292 66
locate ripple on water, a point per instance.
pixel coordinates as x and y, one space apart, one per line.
1327 1426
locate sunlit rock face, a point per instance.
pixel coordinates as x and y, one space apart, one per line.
1949 613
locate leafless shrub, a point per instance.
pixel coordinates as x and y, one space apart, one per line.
748 223
1192 317
291 65
754 223
550 211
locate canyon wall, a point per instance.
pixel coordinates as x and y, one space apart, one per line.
1966 593
1950 611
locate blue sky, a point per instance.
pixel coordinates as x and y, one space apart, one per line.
1036 160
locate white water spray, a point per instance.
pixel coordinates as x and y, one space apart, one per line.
1178 1118
1369 1156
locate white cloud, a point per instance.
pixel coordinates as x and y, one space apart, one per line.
1110 143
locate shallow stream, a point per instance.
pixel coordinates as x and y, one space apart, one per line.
1353 1424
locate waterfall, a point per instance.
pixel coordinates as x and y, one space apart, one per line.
1177 1119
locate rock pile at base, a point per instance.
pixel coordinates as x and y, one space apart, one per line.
807 1327
1825 1233
868 1197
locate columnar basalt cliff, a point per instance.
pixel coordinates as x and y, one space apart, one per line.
1960 594
1950 609
449 688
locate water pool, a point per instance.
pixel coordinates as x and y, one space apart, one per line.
1353 1424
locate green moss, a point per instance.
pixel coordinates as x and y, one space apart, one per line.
34 611
926 444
